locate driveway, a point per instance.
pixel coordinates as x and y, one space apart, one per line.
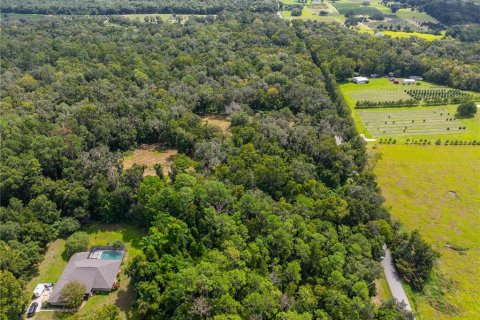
393 279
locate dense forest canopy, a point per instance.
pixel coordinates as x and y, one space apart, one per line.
275 221
107 7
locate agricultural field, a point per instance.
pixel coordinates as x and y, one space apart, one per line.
51 268
417 122
435 189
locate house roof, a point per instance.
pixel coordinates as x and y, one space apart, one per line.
95 274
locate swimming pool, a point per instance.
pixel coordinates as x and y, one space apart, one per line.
111 255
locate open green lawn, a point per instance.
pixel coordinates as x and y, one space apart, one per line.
402 34
391 122
436 189
344 7
415 16
312 13
52 267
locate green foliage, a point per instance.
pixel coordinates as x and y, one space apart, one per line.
72 294
106 312
118 244
271 220
438 96
12 298
467 109
77 242
414 259
110 7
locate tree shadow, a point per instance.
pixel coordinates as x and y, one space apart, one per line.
459 116
125 299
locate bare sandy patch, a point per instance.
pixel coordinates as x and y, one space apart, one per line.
148 155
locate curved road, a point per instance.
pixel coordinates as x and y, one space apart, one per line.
393 279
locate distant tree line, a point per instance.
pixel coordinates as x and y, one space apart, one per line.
448 12
112 7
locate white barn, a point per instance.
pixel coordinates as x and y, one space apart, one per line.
408 81
360 80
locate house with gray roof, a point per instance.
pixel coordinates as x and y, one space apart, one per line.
97 270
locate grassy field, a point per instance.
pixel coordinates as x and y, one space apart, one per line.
402 34
311 13
356 7
417 121
149 155
52 267
435 189
221 123
415 16
373 122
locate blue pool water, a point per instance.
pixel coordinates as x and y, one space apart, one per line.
111 255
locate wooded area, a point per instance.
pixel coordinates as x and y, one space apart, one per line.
275 221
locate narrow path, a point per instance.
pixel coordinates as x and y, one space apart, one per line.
393 279
367 139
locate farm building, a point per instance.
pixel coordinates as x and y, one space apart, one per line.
360 80
418 78
97 270
408 81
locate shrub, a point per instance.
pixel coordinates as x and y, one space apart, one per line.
296 12
467 109
438 142
72 294
77 242
118 244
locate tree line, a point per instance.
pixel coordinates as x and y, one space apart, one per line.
446 62
111 7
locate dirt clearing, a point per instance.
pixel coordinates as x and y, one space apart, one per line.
150 154
222 123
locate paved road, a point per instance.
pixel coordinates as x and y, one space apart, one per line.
393 279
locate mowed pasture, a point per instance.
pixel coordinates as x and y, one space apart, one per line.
435 189
392 122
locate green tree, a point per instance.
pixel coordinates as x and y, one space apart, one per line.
72 294
467 109
414 259
77 242
12 298
106 312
